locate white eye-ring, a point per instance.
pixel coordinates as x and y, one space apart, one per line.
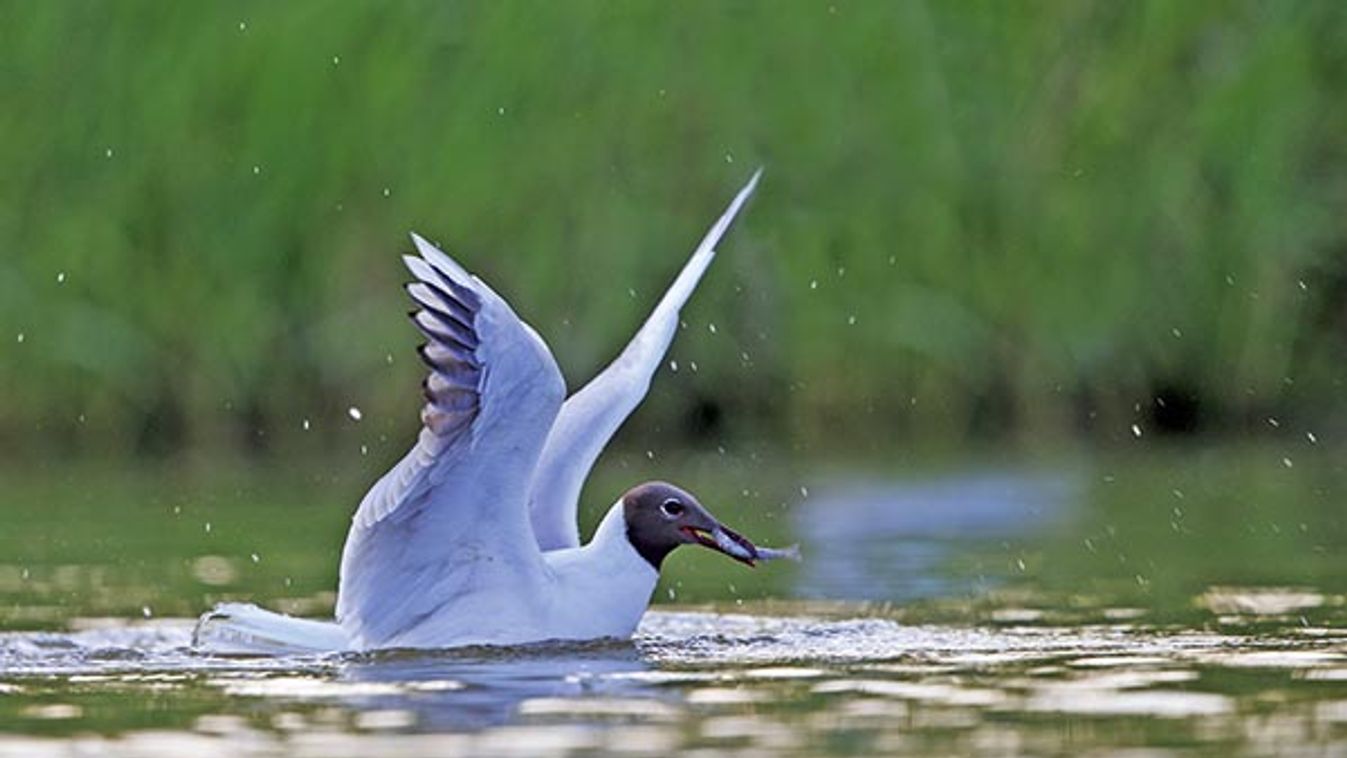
671 508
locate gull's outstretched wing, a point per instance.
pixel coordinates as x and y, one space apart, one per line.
592 415
445 533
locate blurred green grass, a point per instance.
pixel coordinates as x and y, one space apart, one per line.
979 219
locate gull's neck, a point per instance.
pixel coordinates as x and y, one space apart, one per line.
613 543
602 588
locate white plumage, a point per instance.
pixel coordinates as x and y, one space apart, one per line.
472 537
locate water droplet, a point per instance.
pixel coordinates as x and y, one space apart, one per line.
60 277
711 327
305 425
1136 430
354 413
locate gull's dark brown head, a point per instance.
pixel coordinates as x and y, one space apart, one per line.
660 517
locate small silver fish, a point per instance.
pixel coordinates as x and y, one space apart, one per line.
791 553
739 547
735 545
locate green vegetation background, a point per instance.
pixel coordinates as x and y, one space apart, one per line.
979 219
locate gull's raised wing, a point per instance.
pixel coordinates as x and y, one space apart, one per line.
592 415
447 527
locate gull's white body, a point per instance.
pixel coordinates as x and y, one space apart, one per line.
472 537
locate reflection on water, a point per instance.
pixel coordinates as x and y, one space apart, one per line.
893 541
467 690
1191 607
690 680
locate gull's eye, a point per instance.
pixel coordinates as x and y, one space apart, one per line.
671 508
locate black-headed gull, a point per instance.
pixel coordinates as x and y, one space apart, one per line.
472 537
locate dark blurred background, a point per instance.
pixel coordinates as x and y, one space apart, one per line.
980 222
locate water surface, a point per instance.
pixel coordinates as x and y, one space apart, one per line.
1181 606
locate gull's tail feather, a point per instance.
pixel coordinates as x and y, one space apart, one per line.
245 629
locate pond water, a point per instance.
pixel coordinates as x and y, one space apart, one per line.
1185 602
